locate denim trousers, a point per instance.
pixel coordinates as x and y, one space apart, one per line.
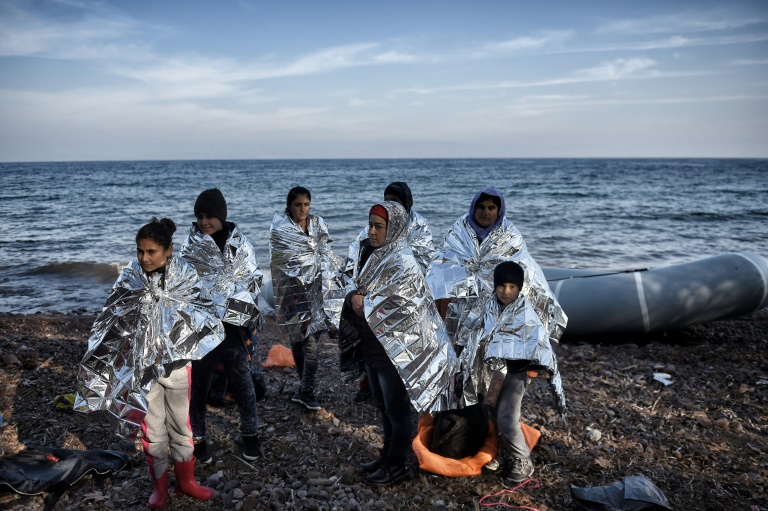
508 413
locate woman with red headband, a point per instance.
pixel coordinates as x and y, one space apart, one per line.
390 322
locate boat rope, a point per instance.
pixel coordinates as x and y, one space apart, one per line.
533 483
619 272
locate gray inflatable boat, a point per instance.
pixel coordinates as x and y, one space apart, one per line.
664 298
602 302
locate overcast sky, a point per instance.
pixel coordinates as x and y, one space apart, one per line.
172 79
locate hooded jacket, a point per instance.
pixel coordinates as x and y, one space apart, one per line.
304 274
400 311
148 321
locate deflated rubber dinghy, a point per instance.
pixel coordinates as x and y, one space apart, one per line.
665 298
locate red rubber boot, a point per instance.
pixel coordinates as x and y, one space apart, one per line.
159 497
186 484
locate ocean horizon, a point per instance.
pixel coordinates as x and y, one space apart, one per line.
77 220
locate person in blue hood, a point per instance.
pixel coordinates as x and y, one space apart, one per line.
461 272
486 212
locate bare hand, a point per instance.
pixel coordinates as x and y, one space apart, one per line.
357 305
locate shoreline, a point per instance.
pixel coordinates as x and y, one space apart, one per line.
701 439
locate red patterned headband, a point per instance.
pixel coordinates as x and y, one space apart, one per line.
379 210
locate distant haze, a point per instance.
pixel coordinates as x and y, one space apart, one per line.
161 80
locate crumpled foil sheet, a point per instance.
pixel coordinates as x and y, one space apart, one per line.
147 321
305 275
418 236
231 280
496 335
401 313
462 270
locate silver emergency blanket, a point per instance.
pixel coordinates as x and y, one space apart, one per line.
418 236
147 321
462 270
496 335
401 313
305 275
230 279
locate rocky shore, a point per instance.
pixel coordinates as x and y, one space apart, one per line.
702 439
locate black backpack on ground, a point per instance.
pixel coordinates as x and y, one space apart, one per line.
459 433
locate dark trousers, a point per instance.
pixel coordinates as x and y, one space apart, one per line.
390 397
305 352
238 370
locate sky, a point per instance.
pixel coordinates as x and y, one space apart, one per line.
170 79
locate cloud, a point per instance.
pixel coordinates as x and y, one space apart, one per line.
543 41
684 22
395 57
676 41
94 33
520 43
190 76
325 60
616 70
749 62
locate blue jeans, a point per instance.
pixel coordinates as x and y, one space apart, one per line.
508 413
238 370
390 397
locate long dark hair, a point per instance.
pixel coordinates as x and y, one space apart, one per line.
159 230
292 194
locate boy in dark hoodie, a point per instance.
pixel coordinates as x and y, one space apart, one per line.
231 277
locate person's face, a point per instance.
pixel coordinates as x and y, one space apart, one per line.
152 256
507 292
208 224
393 198
486 213
299 208
377 230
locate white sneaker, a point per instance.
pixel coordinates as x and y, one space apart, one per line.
492 465
522 469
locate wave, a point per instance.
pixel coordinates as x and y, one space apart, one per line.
106 273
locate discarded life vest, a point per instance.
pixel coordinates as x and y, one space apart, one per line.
469 466
47 469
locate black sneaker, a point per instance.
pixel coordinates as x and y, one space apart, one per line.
306 399
201 452
251 447
388 474
361 396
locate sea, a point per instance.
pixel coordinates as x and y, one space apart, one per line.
70 226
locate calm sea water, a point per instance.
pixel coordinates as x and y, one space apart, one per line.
69 227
